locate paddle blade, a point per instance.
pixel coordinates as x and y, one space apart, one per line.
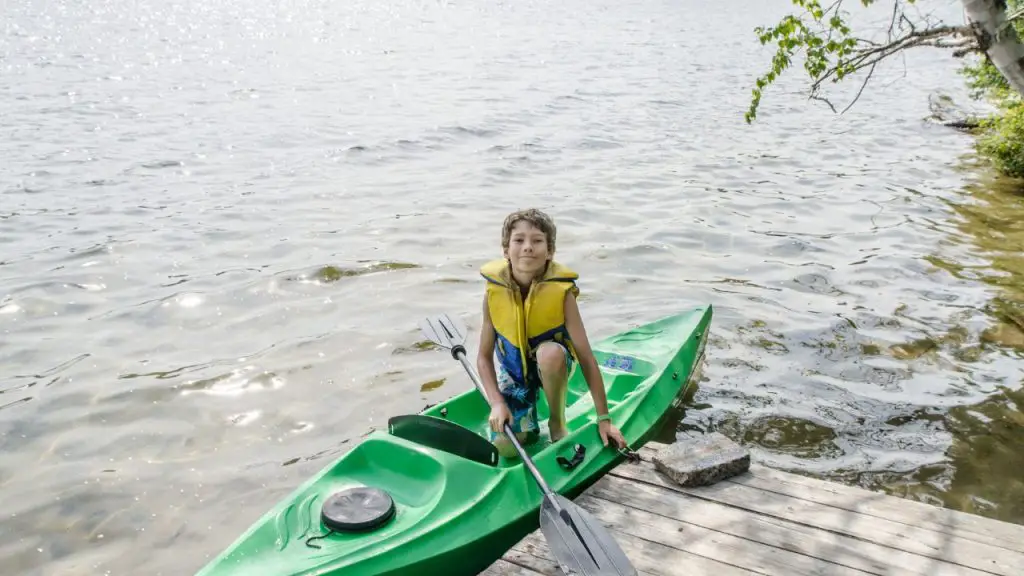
444 435
580 543
444 331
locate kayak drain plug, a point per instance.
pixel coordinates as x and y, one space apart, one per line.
357 509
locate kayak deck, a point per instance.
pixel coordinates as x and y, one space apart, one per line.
455 515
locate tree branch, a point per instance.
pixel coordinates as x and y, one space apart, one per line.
861 91
832 52
870 57
897 17
814 96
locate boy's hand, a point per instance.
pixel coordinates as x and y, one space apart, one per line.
608 430
499 415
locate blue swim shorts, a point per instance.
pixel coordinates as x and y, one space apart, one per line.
522 400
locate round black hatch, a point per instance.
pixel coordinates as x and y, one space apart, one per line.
356 509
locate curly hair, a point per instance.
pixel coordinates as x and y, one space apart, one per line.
539 219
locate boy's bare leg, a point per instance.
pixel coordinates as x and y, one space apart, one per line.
551 365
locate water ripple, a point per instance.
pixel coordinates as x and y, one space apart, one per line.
220 223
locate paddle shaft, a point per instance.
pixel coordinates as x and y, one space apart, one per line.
460 353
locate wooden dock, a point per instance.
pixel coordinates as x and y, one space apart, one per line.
770 522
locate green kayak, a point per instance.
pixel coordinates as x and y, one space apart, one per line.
416 499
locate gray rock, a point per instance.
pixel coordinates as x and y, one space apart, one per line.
702 460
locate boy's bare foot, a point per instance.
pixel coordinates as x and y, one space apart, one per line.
557 432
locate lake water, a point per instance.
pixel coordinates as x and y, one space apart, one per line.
220 224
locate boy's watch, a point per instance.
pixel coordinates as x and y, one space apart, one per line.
601 417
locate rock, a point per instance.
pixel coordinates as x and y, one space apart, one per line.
702 460
948 113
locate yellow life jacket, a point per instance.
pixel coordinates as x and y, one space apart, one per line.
523 326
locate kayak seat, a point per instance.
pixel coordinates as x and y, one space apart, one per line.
445 435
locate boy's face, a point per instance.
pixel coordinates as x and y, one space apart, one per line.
527 249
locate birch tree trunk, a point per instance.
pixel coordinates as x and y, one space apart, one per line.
998 38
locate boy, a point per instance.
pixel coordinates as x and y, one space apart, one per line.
540 352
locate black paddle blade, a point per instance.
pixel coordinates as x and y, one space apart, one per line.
580 543
444 435
444 331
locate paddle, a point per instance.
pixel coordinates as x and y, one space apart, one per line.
577 540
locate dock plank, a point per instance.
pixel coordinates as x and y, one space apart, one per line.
523 555
711 544
649 558
769 522
895 535
505 568
952 522
535 549
772 545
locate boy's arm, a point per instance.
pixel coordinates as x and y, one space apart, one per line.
485 358
578 334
